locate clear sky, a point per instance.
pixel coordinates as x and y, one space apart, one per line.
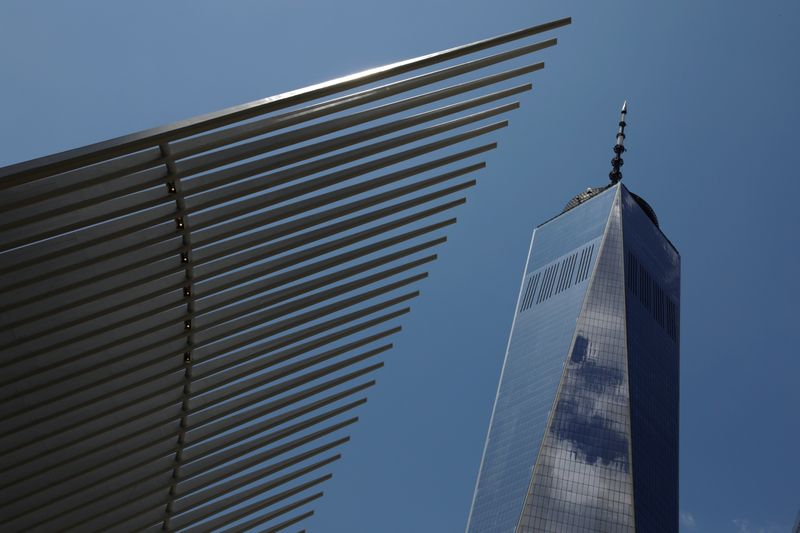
713 143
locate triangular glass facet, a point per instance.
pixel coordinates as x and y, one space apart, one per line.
582 478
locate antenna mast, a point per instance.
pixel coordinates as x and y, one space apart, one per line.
619 147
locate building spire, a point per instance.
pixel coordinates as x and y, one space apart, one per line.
619 147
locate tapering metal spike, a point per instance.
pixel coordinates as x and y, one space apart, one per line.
615 175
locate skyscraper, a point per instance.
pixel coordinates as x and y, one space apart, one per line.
584 431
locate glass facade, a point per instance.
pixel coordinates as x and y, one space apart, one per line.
534 363
652 299
582 480
583 435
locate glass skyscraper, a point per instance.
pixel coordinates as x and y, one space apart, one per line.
584 431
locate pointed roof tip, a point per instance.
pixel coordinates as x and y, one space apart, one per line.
619 147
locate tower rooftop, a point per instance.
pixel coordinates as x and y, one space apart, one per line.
591 192
615 175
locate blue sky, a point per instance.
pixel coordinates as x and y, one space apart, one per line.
713 143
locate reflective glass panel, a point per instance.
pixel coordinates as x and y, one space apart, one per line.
563 253
652 271
582 479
